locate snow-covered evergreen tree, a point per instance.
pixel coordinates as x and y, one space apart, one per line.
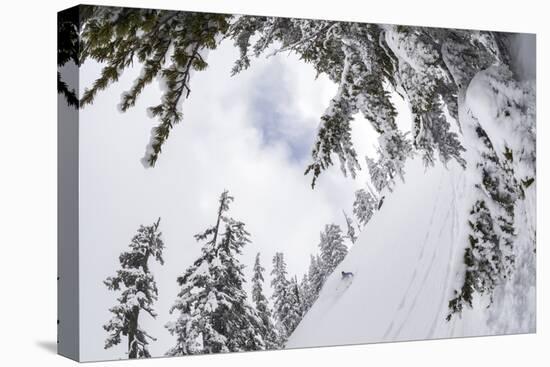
316 277
297 298
262 305
213 312
351 229
286 308
333 248
379 177
364 206
305 294
138 291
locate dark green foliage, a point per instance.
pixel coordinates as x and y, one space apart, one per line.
68 23
168 44
483 259
489 258
334 136
465 295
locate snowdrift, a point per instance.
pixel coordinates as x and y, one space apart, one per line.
406 263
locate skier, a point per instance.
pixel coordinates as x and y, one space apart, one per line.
346 274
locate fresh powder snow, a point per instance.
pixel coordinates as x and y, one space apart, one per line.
406 263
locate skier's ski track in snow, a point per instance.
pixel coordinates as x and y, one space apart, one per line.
434 210
458 191
454 233
421 253
426 275
340 289
415 272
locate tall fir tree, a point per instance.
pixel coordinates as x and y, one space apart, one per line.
262 305
364 206
286 309
333 248
305 294
296 297
380 177
138 291
351 235
316 277
214 314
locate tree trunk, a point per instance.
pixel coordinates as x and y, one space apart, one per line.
132 330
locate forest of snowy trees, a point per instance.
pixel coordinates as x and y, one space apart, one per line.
214 312
489 131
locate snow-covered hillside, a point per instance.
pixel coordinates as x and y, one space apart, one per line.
406 264
410 258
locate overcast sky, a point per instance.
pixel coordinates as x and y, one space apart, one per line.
250 134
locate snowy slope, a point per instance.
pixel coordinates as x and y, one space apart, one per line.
406 264
409 258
